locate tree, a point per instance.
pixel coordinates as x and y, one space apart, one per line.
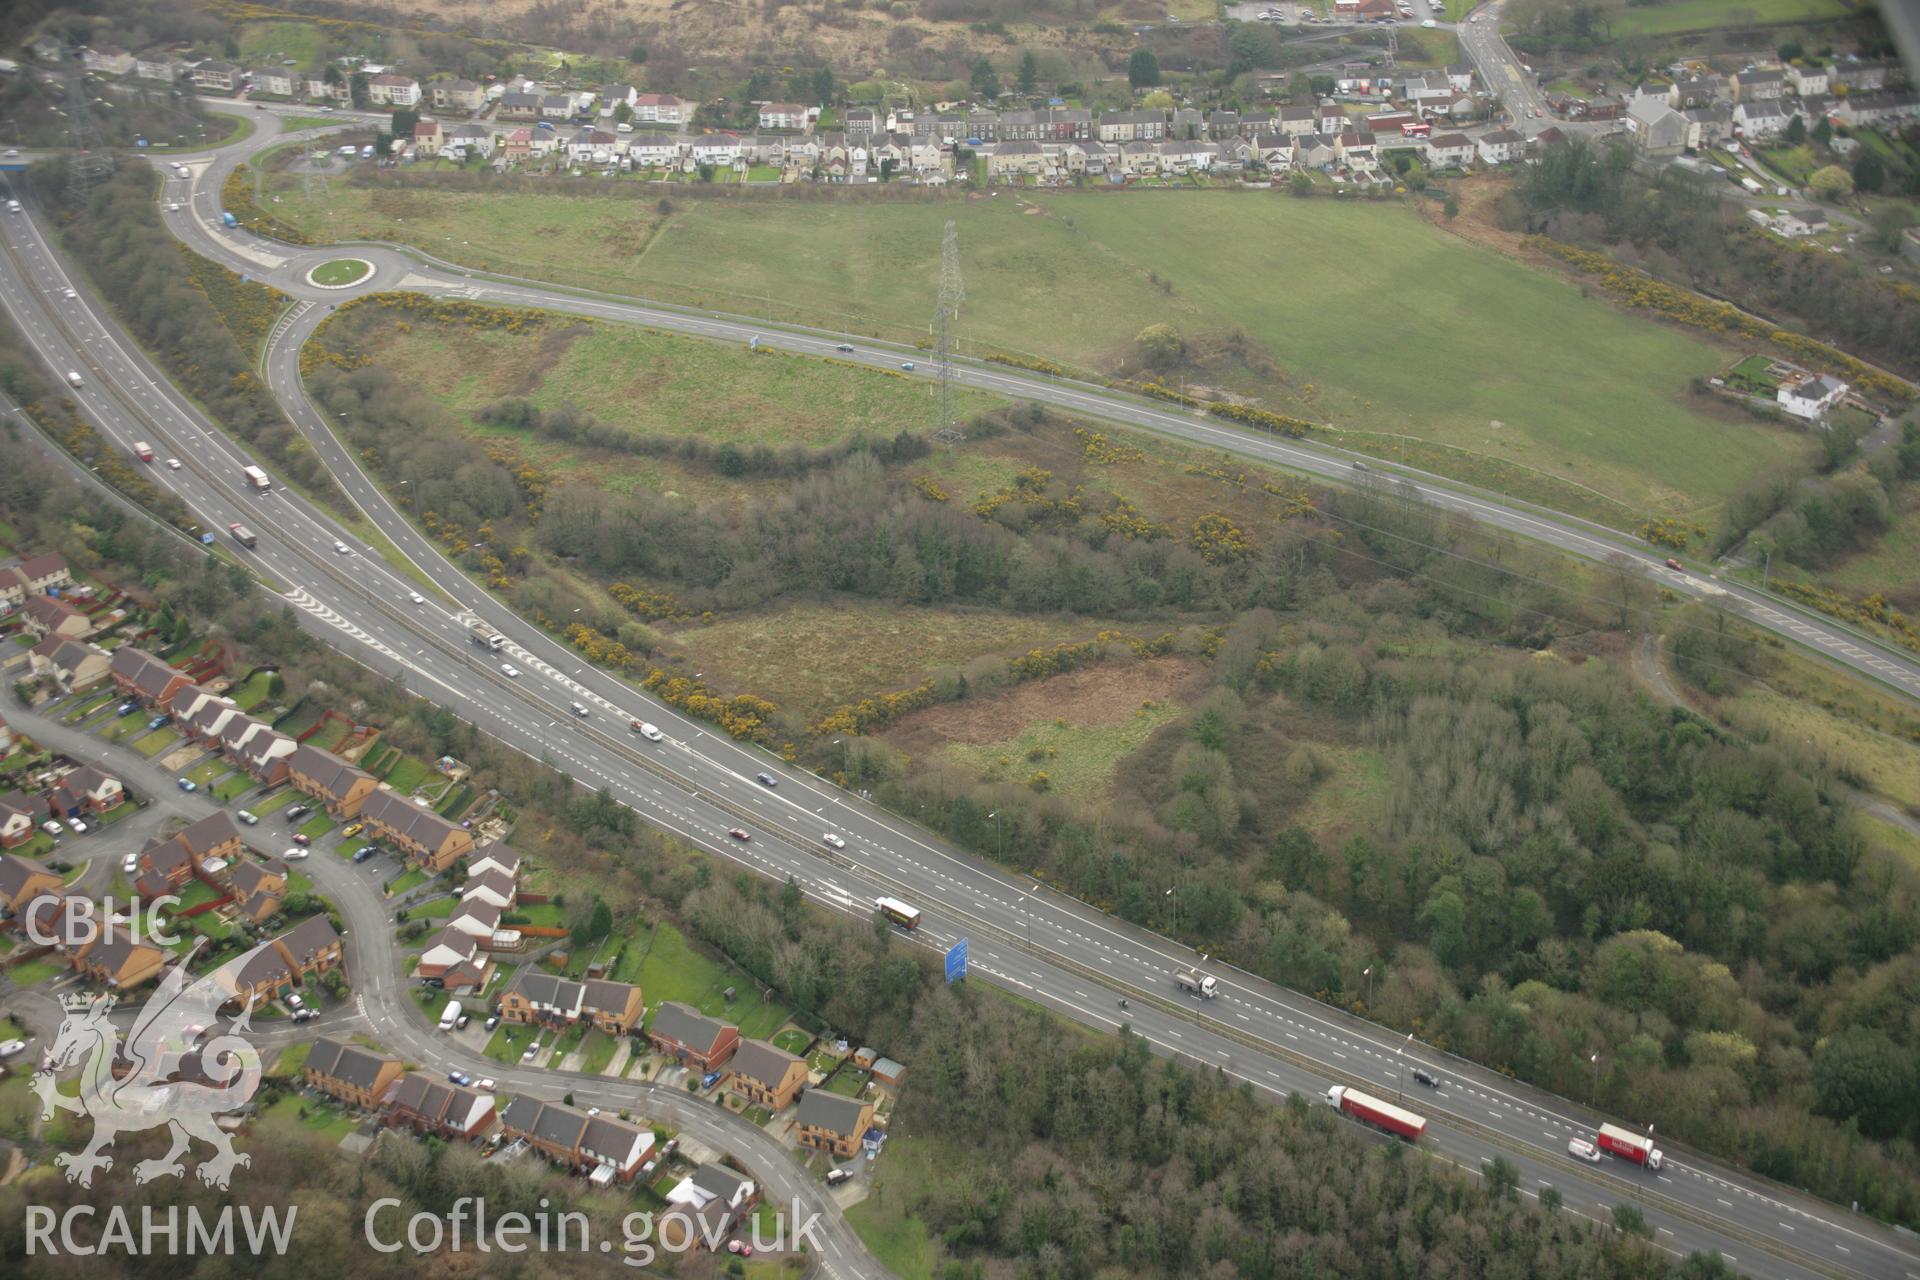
1796 131
823 85
1143 69
1889 220
404 118
1300 184
1869 171
1157 99
1452 207
985 80
1792 49
637 54
1830 183
1862 1073
1028 77
1822 131
1160 346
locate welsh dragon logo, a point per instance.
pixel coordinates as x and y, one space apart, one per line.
169 1027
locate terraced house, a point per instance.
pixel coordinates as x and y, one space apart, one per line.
339 787
544 998
114 958
429 1106
426 838
139 675
166 865
307 950
691 1038
828 1122
346 1072
610 1150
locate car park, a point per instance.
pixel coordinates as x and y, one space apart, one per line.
833 841
738 833
1581 1149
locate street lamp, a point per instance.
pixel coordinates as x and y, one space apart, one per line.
1401 1075
1176 909
1594 1094
1367 973
999 847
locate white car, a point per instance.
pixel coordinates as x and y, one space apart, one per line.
510 671
10 1047
1581 1149
416 597
486 1085
173 208
833 841
52 827
68 293
294 854
130 863
78 827
341 548
173 464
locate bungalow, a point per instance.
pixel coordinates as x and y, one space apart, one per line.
430 1106
455 961
277 81
1133 126
495 855
661 108
258 888
828 1122
22 881
1761 118
391 90
614 1148
113 957
691 1038
88 789
426 838
216 76
350 1074
612 1007
1449 151
52 616
339 787
74 666
1502 146
1758 86
310 947
1810 397
457 95
519 106
19 816
764 1075
784 115
1807 81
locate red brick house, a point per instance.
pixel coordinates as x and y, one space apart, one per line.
691 1038
350 1074
429 1106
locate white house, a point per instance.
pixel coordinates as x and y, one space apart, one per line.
464 140
393 91
1811 398
784 115
653 153
1761 118
1449 151
1807 81
716 149
661 108
1502 146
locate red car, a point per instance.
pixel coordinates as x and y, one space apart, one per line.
1674 565
302 838
738 833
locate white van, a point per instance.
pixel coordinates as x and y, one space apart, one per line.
73 379
578 709
13 206
450 1015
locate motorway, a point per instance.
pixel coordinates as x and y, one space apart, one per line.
1059 953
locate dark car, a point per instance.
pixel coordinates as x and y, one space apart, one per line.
768 780
1426 1077
127 708
302 839
837 1176
844 346
298 812
738 833
364 852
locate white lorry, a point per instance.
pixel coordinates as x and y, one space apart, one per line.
1201 984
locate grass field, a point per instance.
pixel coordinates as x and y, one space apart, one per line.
1393 324
1705 15
675 971
1891 565
883 1220
813 657
1886 764
341 271
156 743
665 385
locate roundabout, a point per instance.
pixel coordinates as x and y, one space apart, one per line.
340 273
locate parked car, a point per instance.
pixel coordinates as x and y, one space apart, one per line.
302 839
294 854
156 722
126 708
304 1015
130 863
493 1022
188 784
365 851
10 1047
77 826
459 1077
52 827
486 1084
738 833
298 812
530 1052
251 819
461 1025
837 1176
294 1001
353 828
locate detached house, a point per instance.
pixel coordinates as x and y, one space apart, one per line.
1658 129
429 1106
610 1149
1449 151
1810 398
339 787
764 1075
21 881
426 838
661 108
86 790
19 815
171 862
691 1038
350 1074
464 140
828 1122
216 76
454 960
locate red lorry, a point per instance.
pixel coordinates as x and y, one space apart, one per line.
143 451
1382 1115
1627 1145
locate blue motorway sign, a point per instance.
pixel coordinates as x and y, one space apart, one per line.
957 961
